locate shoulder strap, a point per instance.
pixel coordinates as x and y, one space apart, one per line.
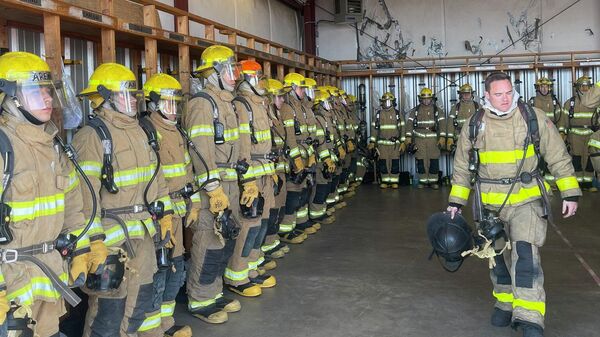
477 106
532 124
474 124
107 149
247 105
209 98
571 107
150 132
6 150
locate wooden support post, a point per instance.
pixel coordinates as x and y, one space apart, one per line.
302 72
209 32
150 44
280 72
251 43
53 53
107 36
183 27
3 35
232 38
267 64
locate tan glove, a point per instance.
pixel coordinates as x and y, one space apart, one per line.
98 255
192 216
250 192
166 226
218 200
275 178
342 152
441 143
402 148
78 269
312 160
350 145
330 165
563 136
370 146
298 164
408 140
449 144
4 306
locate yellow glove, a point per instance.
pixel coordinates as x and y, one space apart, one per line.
249 194
218 200
342 152
298 164
441 143
166 226
192 216
350 145
402 148
370 146
4 306
563 136
330 165
97 256
408 140
449 143
312 160
78 269
275 178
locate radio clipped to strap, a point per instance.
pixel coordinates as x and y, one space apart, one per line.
107 173
6 150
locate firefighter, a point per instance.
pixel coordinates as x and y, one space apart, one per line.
41 204
164 96
335 199
459 113
255 134
498 155
134 199
579 122
213 127
592 99
387 135
423 129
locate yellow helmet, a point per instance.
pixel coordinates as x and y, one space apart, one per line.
465 88
163 86
309 83
387 95
334 91
584 80
276 88
425 93
219 58
352 98
112 76
322 97
543 81
23 67
294 79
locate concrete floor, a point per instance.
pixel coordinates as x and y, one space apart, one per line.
368 275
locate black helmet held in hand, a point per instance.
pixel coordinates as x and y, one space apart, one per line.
449 238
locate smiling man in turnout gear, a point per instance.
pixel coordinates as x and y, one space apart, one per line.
41 202
387 136
255 135
546 101
498 155
212 124
580 122
459 114
164 97
423 129
134 207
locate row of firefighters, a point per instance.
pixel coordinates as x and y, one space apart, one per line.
425 131
252 166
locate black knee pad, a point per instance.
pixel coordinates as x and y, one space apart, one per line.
335 181
260 238
273 227
175 279
434 166
304 197
280 216
321 192
382 166
292 202
577 165
160 283
501 271
107 322
143 305
250 240
211 266
395 166
524 269
588 166
420 166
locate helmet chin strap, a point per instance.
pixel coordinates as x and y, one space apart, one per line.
28 116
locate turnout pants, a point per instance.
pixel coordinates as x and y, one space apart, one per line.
318 197
518 277
123 311
584 171
292 206
276 215
428 160
389 163
210 253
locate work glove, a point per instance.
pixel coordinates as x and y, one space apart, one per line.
563 136
4 306
342 152
192 216
218 200
275 178
402 148
330 165
250 192
166 227
449 144
78 269
298 164
441 143
408 140
370 146
350 145
97 256
312 160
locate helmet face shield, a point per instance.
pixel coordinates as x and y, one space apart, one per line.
466 96
128 102
310 92
387 103
326 104
40 98
230 71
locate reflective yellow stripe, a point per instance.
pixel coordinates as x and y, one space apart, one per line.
594 143
40 286
151 322
236 275
505 157
232 134
254 264
267 248
289 123
504 297
91 168
134 176
73 181
580 131
263 136
389 127
525 193
245 128
529 305
200 304
174 170
460 192
167 309
201 130
583 115
567 183
42 206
